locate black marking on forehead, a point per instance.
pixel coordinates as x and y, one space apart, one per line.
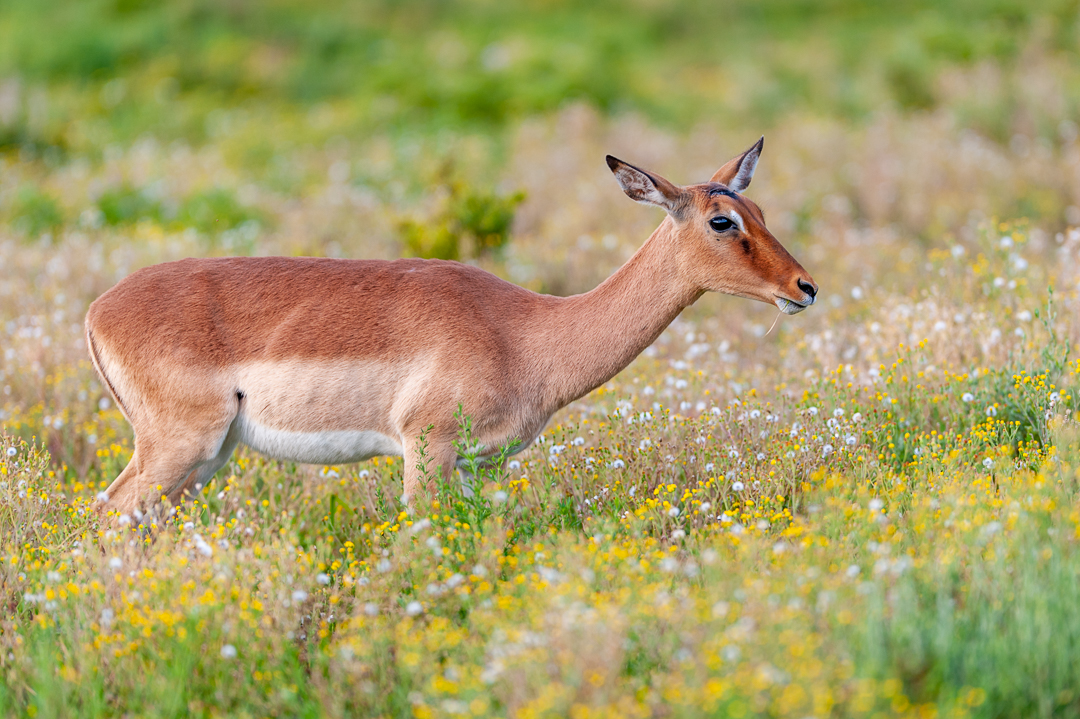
720 190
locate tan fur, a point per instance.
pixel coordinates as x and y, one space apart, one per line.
306 353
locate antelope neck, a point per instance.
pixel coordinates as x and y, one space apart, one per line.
600 332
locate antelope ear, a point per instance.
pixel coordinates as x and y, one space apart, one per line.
737 173
649 189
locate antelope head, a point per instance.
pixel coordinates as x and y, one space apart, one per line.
721 242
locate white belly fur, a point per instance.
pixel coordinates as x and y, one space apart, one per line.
328 447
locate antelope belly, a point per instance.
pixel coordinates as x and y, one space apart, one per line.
326 447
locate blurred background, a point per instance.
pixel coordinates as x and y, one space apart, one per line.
135 132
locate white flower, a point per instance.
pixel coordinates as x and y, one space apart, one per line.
299 596
813 411
1024 316
413 608
514 464
737 486
857 417
876 504
578 441
991 411
103 497
11 451
967 397
856 293
228 651
851 440
673 512
988 463
709 467
733 453
618 464
116 563
323 578
853 571
826 450
838 412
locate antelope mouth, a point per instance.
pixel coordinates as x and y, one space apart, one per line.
791 307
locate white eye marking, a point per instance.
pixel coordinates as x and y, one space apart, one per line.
737 219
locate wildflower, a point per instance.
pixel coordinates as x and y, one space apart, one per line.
737 486
500 496
299 595
103 497
323 579
413 608
228 651
967 397
857 417
813 411
673 512
853 571
876 505
733 453
618 464
116 563
514 464
826 450
578 441
991 411
709 467
856 293
11 451
851 440
988 463
371 609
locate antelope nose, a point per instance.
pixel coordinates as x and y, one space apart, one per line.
808 288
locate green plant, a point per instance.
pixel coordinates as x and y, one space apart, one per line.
469 223
35 212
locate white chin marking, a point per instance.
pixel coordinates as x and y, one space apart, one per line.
334 447
788 307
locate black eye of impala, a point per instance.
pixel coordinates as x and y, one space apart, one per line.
721 224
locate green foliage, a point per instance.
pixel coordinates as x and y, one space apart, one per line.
468 223
125 205
35 212
215 210
424 65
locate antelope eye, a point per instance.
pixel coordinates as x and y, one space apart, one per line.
721 224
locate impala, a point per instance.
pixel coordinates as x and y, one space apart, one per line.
327 361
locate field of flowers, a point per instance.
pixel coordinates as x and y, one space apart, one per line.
871 509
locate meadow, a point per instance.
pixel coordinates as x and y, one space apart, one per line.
868 510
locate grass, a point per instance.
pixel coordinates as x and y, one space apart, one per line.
868 511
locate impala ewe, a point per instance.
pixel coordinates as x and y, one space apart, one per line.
328 361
